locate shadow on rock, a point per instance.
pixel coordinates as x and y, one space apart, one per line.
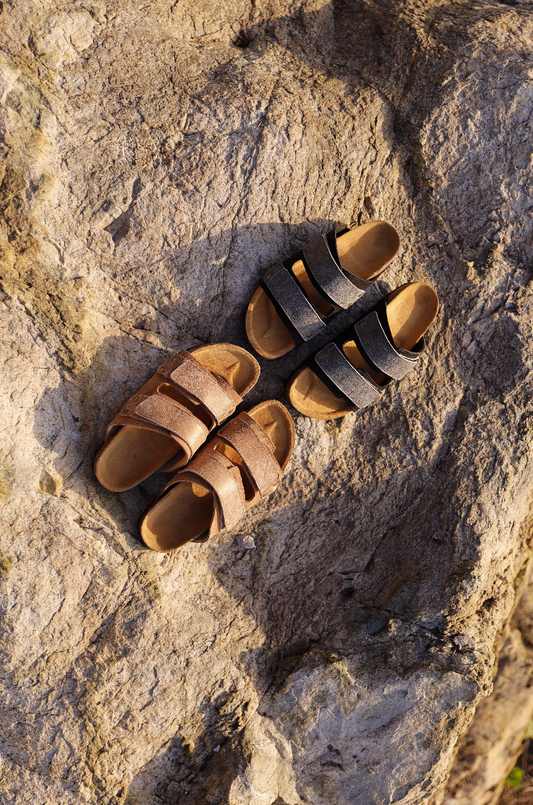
70 420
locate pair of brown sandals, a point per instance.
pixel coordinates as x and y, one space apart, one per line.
170 418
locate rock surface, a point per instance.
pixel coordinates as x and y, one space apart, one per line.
490 748
156 158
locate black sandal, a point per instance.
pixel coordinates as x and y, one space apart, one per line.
297 298
352 371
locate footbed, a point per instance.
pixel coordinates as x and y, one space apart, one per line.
410 310
363 252
132 454
184 513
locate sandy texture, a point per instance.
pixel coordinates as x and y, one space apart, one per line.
157 158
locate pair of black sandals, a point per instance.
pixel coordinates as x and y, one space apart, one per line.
298 298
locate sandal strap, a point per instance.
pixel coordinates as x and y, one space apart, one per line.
170 417
150 409
336 286
332 366
216 473
202 386
322 262
292 305
374 339
251 442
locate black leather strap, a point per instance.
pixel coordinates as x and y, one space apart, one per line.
338 288
374 340
323 268
292 305
355 385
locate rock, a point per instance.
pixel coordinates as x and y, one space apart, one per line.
246 542
157 158
269 773
490 748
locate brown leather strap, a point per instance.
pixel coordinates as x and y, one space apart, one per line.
255 448
198 383
151 409
213 470
218 474
168 417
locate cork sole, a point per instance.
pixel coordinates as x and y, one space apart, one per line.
184 513
411 309
132 454
363 252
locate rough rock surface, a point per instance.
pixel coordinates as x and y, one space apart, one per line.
490 748
156 158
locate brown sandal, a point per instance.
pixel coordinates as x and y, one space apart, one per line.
241 465
352 371
297 298
171 416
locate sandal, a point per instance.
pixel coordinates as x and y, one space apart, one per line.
297 298
171 416
241 465
354 369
